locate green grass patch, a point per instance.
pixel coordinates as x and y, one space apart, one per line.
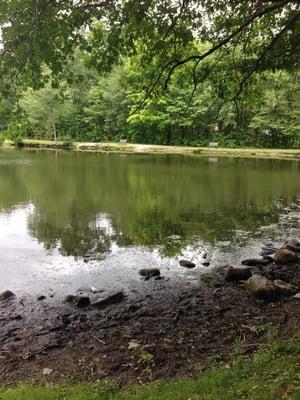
272 373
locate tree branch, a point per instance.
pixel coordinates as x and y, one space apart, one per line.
33 30
93 5
183 5
258 61
150 89
176 63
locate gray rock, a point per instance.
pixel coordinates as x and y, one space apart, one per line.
255 261
297 296
112 298
187 264
78 301
91 289
174 237
261 287
133 344
96 290
47 371
284 288
269 258
149 272
265 253
70 298
269 248
7 294
285 256
293 244
235 274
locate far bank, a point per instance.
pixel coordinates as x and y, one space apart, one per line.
159 149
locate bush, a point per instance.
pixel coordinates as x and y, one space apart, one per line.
2 138
15 132
67 141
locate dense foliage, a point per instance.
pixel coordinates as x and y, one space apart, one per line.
107 108
166 72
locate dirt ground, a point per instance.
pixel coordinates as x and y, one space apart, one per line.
165 329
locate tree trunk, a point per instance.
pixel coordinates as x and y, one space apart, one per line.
169 134
54 132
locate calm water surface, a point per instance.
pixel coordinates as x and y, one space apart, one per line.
71 220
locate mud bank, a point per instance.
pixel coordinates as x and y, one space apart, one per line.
166 329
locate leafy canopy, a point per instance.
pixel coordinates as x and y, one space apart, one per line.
46 32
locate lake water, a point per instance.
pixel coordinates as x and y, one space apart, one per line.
71 220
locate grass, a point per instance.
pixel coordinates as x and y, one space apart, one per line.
149 148
273 373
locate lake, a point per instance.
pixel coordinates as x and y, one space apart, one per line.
71 219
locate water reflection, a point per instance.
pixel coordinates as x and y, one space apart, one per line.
84 205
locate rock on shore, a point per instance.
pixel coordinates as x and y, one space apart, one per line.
234 274
114 297
293 245
261 287
78 301
149 272
7 294
256 261
285 256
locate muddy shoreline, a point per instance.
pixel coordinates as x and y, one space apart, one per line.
166 329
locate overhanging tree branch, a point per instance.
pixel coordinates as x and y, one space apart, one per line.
259 60
177 63
171 65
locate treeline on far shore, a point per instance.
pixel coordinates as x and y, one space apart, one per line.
84 105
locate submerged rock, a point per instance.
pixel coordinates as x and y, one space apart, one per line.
187 264
149 272
234 274
251 262
285 256
114 297
261 287
206 263
7 294
41 297
79 301
293 244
